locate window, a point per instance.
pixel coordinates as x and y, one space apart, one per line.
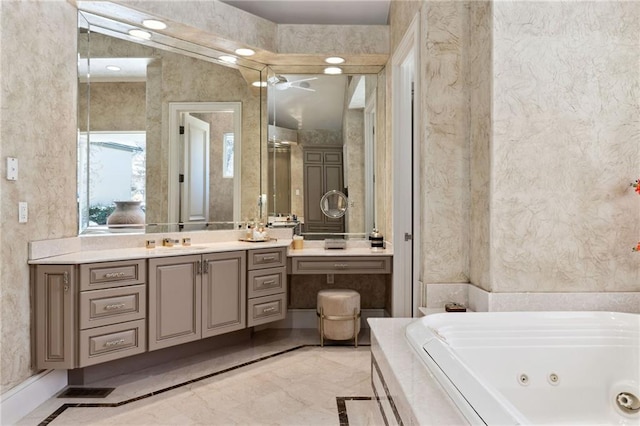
227 155
113 170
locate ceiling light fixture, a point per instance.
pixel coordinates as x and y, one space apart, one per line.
245 52
259 84
140 34
228 59
333 70
334 60
113 68
154 24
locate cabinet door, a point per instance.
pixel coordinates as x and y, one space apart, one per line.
55 326
224 294
174 301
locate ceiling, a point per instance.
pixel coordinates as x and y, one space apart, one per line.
321 12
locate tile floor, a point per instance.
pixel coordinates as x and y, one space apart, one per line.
280 377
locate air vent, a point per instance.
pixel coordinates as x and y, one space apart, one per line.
75 392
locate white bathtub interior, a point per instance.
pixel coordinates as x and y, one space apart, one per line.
534 367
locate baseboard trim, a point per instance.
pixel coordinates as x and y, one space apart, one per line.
28 395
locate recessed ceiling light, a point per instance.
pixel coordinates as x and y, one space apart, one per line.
333 70
245 52
229 59
259 84
154 24
113 68
334 60
140 34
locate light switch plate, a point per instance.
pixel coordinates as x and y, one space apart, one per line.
23 212
12 168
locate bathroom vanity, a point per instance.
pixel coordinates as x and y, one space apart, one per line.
98 306
100 303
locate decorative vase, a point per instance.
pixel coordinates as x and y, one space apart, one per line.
127 215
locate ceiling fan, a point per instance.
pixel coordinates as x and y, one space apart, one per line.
280 82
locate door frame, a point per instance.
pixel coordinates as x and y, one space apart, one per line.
405 78
175 111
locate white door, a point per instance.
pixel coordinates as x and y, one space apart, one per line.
195 186
406 192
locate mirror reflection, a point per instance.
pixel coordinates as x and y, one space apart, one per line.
139 142
321 138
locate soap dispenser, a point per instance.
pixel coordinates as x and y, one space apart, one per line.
377 240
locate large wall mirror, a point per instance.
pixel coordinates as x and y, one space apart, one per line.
322 138
173 129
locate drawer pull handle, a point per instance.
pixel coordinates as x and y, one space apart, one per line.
340 265
268 258
114 275
269 309
114 343
269 282
114 306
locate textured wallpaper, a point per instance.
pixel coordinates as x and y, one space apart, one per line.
444 170
479 80
353 129
38 127
565 146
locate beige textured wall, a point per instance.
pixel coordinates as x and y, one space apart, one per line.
480 80
353 130
565 146
444 169
529 143
38 127
114 106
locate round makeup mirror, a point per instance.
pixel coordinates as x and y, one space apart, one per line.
334 204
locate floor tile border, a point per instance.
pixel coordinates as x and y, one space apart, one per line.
394 409
65 406
341 402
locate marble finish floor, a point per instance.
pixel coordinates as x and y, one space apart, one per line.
279 377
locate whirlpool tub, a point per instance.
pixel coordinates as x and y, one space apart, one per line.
506 368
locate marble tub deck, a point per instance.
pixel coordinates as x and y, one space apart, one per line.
281 376
409 392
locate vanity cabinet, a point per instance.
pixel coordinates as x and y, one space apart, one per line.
91 313
55 289
267 286
341 265
194 297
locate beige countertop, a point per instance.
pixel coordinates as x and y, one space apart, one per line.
113 254
349 251
96 249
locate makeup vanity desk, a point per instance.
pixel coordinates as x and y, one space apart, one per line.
360 259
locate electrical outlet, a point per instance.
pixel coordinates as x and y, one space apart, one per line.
23 212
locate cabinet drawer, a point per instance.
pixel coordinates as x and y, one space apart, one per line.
112 305
112 274
112 342
262 310
266 258
341 265
265 282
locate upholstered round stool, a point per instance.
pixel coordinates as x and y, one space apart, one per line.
338 313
